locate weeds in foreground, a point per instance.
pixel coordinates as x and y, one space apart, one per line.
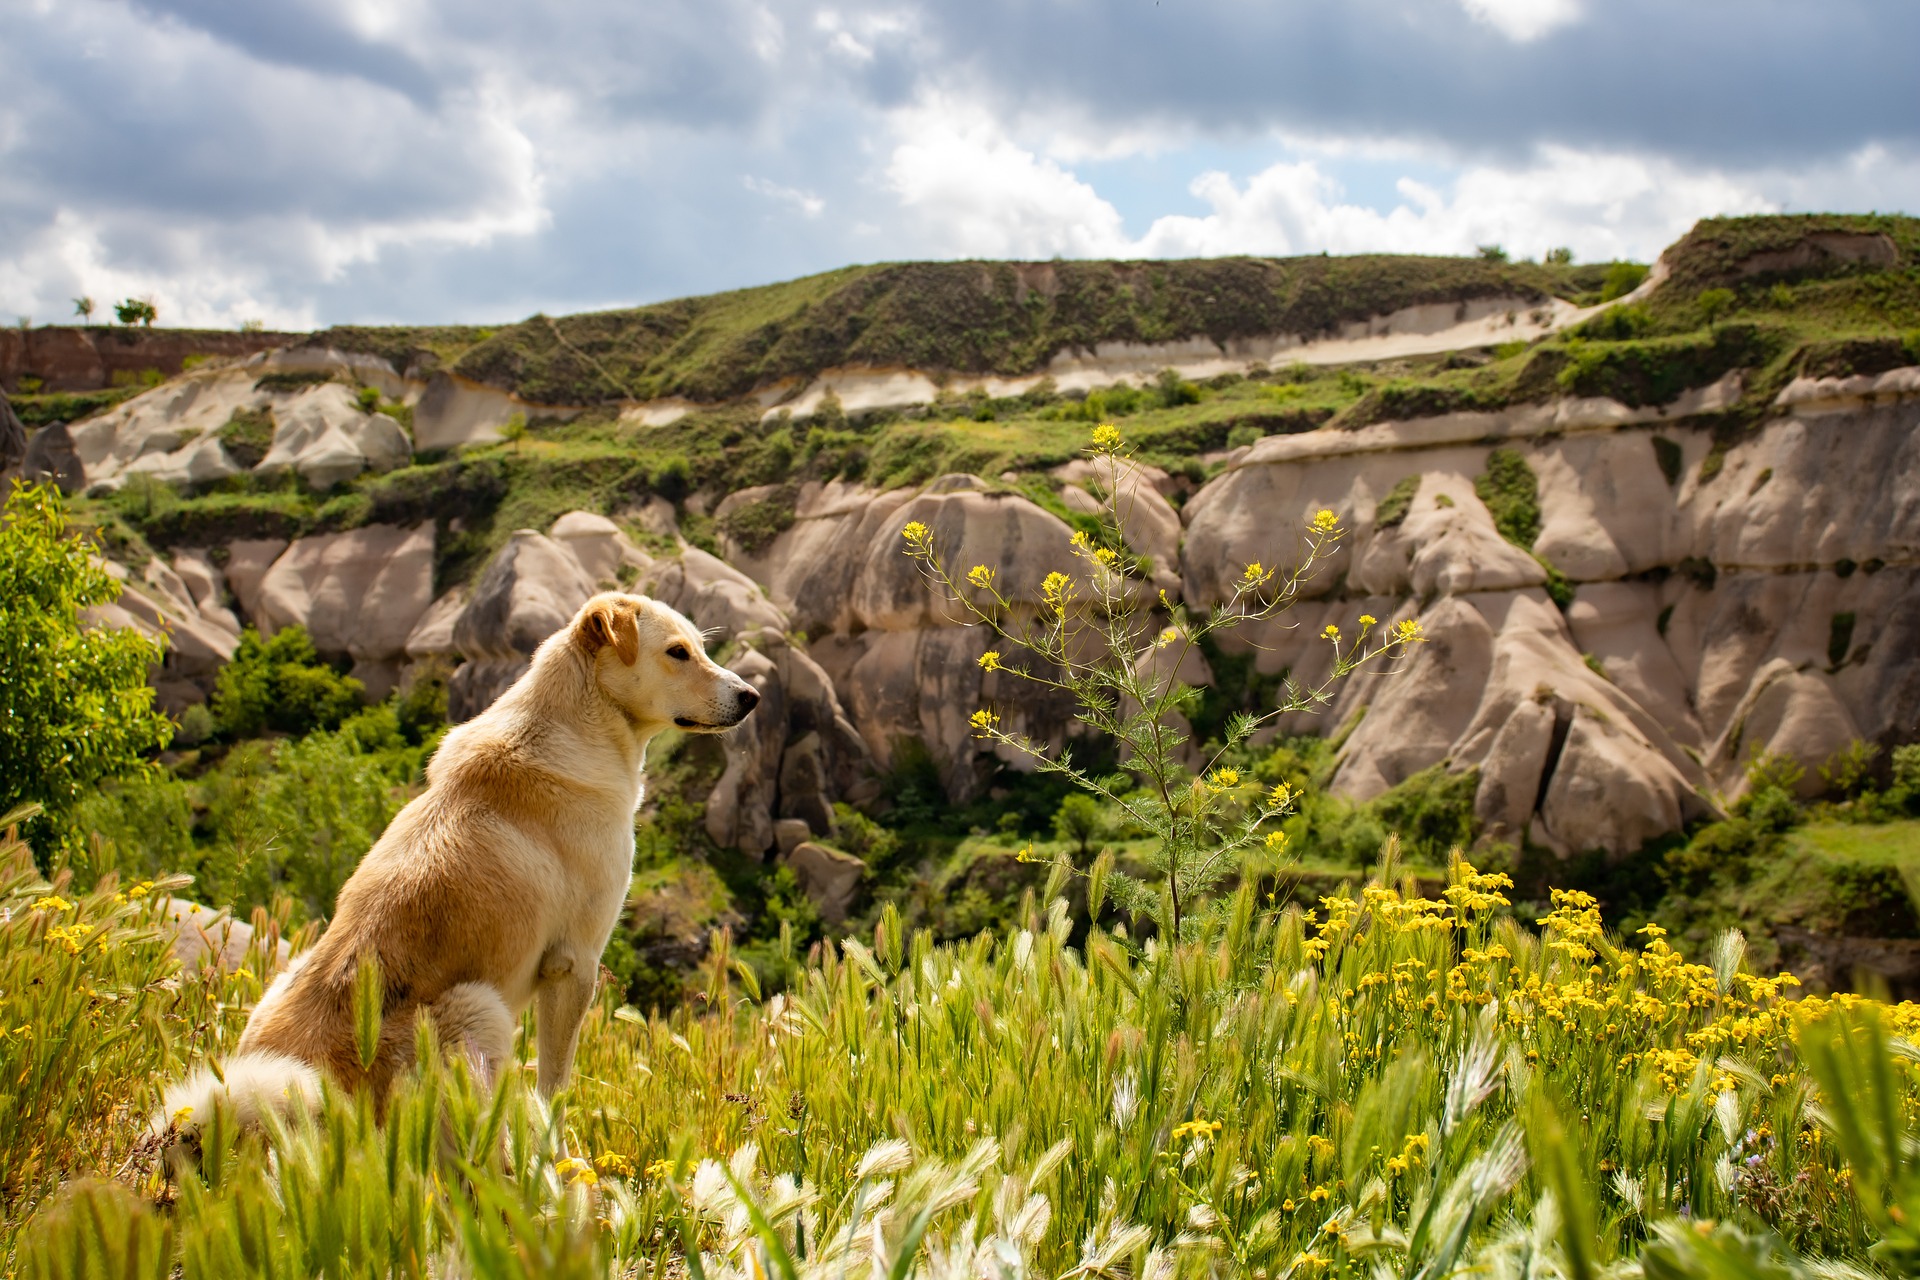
1387 1085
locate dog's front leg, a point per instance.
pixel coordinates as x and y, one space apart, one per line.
566 989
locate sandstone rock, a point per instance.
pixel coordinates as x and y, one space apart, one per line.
248 561
598 544
1791 711
358 593
204 937
740 809
531 588
432 636
714 594
1021 543
829 877
13 438
206 586
323 434
790 833
50 458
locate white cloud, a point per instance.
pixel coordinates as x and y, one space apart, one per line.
1603 206
970 191
805 201
967 188
1523 20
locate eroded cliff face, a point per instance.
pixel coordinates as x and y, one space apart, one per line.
1720 600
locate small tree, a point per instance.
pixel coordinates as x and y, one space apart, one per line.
280 684
83 307
136 311
1491 253
1102 640
1561 257
75 706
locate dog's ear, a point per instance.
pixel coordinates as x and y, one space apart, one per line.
610 622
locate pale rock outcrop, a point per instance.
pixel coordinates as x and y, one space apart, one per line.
715 595
1790 711
205 937
792 758
248 560
531 588
358 593
432 636
830 878
323 434
809 569
159 605
1148 522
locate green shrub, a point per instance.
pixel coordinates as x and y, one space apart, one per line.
752 525
280 685
1512 494
1622 278
290 382
1393 508
247 437
75 705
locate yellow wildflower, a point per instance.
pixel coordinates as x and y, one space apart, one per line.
1281 796
1106 436
574 1169
1408 632
1080 540
615 1163
1056 590
916 534
980 576
1196 1128
70 938
1168 636
1253 573
990 660
1367 619
1331 633
1276 841
983 722
1226 777
659 1170
1325 521
52 902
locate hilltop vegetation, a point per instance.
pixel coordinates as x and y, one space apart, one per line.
958 317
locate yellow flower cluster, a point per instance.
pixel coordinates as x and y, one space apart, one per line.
1325 521
576 1171
983 722
52 902
1057 590
1106 436
918 536
1196 1128
980 576
612 1162
990 660
1225 778
70 938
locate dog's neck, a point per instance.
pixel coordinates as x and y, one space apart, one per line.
564 677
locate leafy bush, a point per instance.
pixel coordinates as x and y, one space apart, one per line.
1622 279
280 684
75 706
247 436
1512 494
1393 508
752 525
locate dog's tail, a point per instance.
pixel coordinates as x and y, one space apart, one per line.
248 1087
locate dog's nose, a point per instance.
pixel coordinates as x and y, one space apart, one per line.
748 700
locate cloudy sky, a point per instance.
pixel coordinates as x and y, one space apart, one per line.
305 162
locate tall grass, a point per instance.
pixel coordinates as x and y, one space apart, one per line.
1386 1085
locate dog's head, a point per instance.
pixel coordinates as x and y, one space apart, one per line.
652 662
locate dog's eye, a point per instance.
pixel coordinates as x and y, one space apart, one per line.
679 653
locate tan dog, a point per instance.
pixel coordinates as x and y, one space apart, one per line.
499 886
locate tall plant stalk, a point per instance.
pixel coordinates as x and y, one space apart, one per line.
1103 636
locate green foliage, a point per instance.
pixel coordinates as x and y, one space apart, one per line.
291 382
1393 508
752 525
1080 822
1715 303
1656 370
280 684
1512 494
1491 253
75 705
1432 813
131 311
1622 279
247 437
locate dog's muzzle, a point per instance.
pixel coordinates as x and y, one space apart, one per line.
745 699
